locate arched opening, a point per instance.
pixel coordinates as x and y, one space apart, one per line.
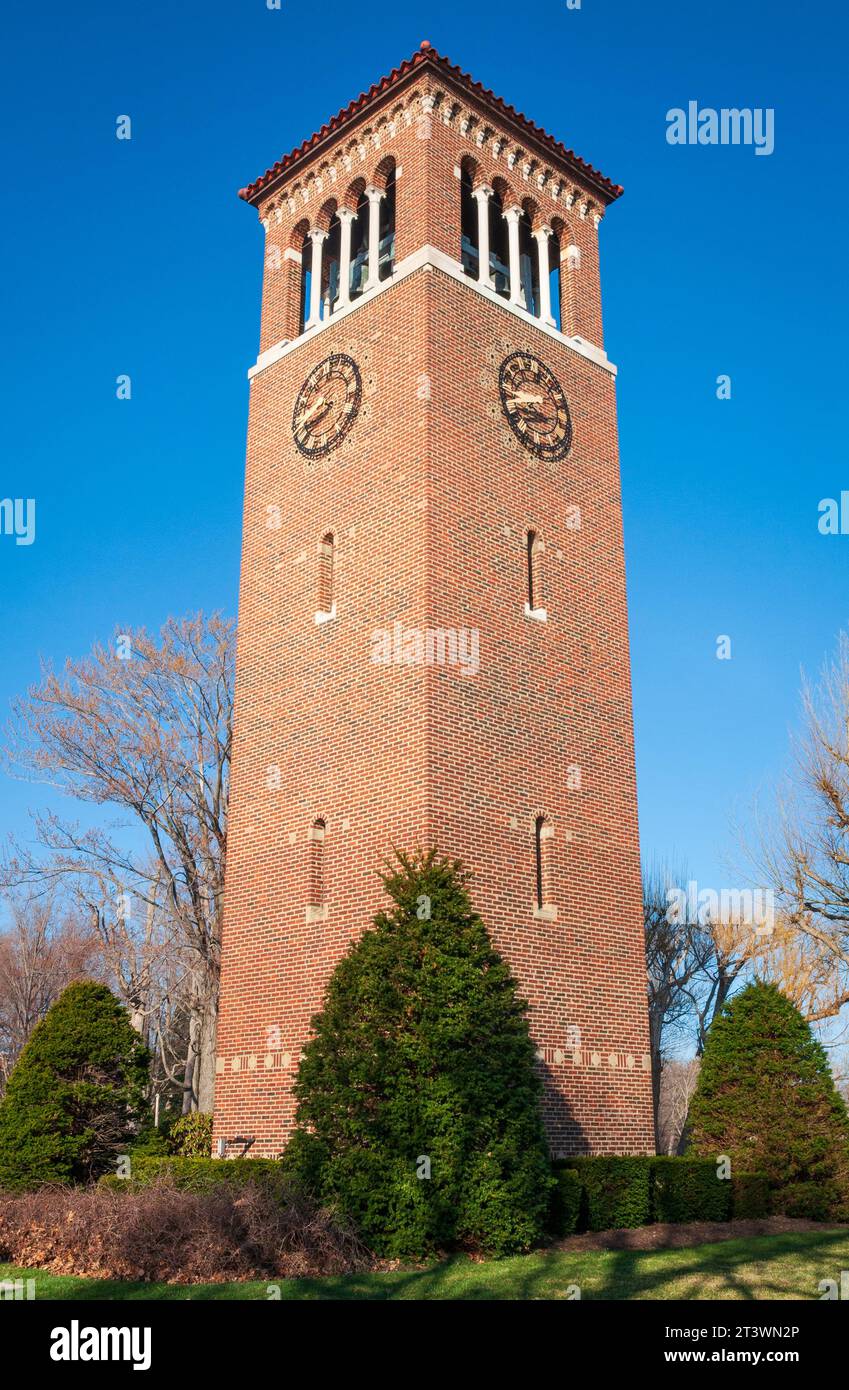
321 249
359 245
528 265
499 251
304 245
469 248
386 250
330 268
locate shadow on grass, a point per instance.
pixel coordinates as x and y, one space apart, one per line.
726 1260
728 1269
619 1275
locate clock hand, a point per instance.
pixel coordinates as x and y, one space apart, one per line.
521 401
309 413
529 412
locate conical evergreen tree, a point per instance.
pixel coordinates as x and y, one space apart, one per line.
76 1093
766 1098
418 1096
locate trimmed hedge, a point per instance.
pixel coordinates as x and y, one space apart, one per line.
688 1189
566 1199
750 1197
202 1174
591 1193
615 1192
607 1193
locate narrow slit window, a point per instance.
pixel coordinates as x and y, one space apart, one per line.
540 893
317 866
534 548
542 864
326 576
531 561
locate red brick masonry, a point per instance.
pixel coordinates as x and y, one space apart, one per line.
429 500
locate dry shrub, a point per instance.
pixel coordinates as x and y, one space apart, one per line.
161 1233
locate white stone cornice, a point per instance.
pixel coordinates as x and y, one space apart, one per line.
429 256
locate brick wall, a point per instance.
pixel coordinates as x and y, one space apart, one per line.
429 499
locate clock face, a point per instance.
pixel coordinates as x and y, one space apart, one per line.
327 405
535 406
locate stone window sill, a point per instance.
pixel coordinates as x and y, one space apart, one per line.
545 914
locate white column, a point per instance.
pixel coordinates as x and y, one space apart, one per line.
482 196
513 214
542 234
374 196
318 239
346 219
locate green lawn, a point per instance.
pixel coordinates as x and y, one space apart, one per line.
768 1267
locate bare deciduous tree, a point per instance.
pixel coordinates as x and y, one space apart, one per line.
804 846
677 1085
146 727
724 951
43 949
675 954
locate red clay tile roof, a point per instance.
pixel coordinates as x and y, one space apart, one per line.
428 54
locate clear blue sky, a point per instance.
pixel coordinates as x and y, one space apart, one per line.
137 257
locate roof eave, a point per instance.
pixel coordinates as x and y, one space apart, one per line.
385 90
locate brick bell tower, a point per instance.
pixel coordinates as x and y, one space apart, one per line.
433 637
